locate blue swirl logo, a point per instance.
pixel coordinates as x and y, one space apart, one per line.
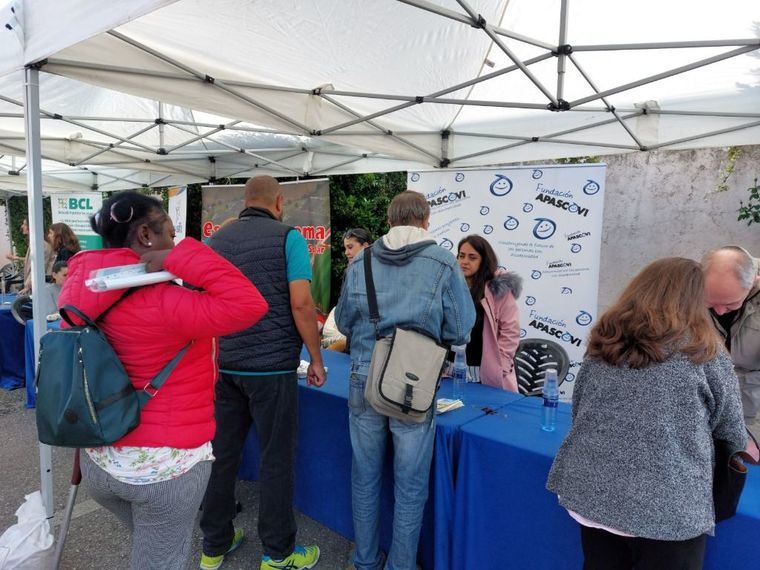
537 174
569 377
530 301
591 187
567 337
459 177
566 291
523 333
584 319
544 228
484 210
415 176
527 207
576 248
501 186
446 243
536 274
501 268
573 207
511 223
487 229
465 227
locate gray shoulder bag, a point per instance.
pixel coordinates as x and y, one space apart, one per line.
405 369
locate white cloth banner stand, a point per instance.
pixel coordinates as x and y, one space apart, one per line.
545 223
178 211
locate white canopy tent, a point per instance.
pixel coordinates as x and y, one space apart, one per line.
328 86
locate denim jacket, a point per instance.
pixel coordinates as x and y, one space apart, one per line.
419 287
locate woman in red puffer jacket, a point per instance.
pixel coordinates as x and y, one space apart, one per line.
154 478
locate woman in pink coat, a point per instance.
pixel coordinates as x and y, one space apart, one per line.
496 334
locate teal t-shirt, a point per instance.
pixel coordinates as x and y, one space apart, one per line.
298 265
297 257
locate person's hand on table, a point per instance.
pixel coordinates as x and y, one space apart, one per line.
154 260
316 374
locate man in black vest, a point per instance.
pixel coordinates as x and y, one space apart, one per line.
258 381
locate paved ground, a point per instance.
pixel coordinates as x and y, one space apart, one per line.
96 539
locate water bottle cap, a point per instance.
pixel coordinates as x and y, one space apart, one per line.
459 347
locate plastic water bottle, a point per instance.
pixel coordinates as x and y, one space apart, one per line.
460 371
551 397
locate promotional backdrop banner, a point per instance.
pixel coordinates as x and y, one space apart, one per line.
178 211
307 209
75 210
545 223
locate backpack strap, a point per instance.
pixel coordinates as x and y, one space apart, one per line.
152 387
67 310
374 313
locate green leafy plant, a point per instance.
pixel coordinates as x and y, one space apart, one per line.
733 155
359 201
751 211
17 211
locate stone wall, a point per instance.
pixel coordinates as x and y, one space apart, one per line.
665 203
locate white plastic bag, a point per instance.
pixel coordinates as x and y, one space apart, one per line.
28 543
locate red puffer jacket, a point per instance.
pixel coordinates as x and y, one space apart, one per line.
151 326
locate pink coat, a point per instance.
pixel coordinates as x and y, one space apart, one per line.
501 331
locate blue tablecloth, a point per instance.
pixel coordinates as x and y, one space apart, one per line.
505 517
31 393
11 348
323 466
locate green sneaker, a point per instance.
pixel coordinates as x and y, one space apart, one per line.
302 557
214 562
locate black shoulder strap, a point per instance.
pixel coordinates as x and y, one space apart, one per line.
151 388
374 313
67 310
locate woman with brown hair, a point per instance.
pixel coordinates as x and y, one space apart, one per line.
63 240
654 389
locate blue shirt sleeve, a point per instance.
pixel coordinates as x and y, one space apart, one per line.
297 257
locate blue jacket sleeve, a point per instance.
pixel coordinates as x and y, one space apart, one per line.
345 310
458 310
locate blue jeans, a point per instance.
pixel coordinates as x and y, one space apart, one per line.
412 453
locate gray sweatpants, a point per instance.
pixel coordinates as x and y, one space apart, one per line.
161 516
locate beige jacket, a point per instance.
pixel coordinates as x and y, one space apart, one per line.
745 339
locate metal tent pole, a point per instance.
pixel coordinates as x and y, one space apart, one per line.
34 196
561 53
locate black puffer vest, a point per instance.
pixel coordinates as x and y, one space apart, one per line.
255 244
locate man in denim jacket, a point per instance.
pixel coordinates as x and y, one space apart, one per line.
419 286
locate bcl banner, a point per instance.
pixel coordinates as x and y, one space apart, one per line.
307 209
75 210
178 211
545 223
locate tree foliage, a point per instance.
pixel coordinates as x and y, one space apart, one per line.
751 211
18 210
359 201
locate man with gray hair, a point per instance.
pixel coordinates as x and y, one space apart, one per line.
420 287
732 293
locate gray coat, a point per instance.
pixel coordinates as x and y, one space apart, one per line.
639 456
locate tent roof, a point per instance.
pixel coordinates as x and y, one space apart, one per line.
327 86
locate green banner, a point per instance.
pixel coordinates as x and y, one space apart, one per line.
307 209
75 210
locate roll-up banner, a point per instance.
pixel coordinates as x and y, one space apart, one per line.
307 209
545 223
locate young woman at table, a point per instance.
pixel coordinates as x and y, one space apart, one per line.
64 241
154 478
354 241
655 388
496 334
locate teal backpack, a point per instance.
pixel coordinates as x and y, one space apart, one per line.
84 396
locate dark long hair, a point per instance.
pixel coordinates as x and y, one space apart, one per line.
359 234
488 264
121 215
662 310
64 237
